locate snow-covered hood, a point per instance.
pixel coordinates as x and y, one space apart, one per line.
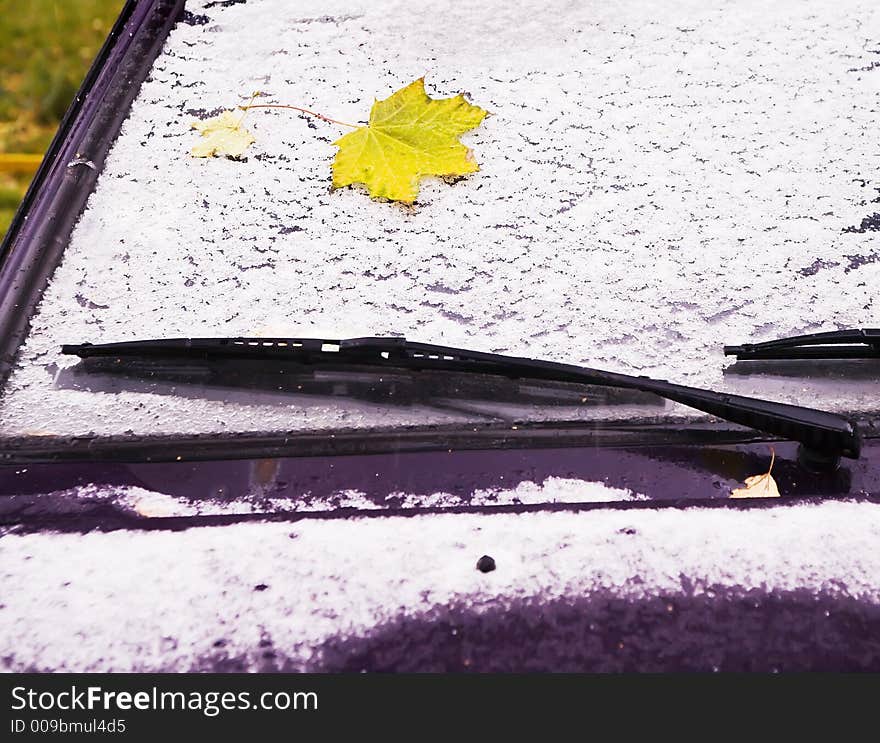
782 588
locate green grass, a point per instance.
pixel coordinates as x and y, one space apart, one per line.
10 195
46 47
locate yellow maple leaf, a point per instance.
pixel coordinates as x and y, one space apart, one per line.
223 135
409 135
759 486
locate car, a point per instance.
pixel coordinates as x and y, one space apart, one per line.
253 422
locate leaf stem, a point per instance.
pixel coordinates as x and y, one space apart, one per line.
301 110
249 105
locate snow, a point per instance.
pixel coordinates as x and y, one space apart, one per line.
139 601
141 501
657 179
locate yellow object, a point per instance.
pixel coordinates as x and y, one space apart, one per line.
16 162
409 135
223 135
759 486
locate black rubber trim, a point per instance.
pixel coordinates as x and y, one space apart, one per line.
41 228
340 442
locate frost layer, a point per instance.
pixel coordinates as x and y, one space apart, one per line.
656 179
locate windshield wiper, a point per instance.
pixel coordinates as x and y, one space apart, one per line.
824 436
857 343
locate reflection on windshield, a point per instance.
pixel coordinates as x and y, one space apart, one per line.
251 382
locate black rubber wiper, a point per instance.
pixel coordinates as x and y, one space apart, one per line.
858 343
824 436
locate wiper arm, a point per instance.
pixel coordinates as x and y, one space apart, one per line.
857 343
824 435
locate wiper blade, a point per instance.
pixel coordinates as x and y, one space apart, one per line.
857 343
823 434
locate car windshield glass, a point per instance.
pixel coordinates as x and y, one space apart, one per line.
649 190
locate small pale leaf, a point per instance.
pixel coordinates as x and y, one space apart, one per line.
410 135
222 135
759 486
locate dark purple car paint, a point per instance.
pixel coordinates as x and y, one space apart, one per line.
659 472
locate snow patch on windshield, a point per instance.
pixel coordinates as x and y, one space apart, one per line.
552 490
151 504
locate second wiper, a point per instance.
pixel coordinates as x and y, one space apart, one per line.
824 435
856 343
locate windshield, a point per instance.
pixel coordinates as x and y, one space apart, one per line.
648 191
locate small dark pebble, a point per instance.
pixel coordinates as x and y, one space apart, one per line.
260 587
627 530
485 564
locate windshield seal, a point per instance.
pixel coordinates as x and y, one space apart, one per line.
375 440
